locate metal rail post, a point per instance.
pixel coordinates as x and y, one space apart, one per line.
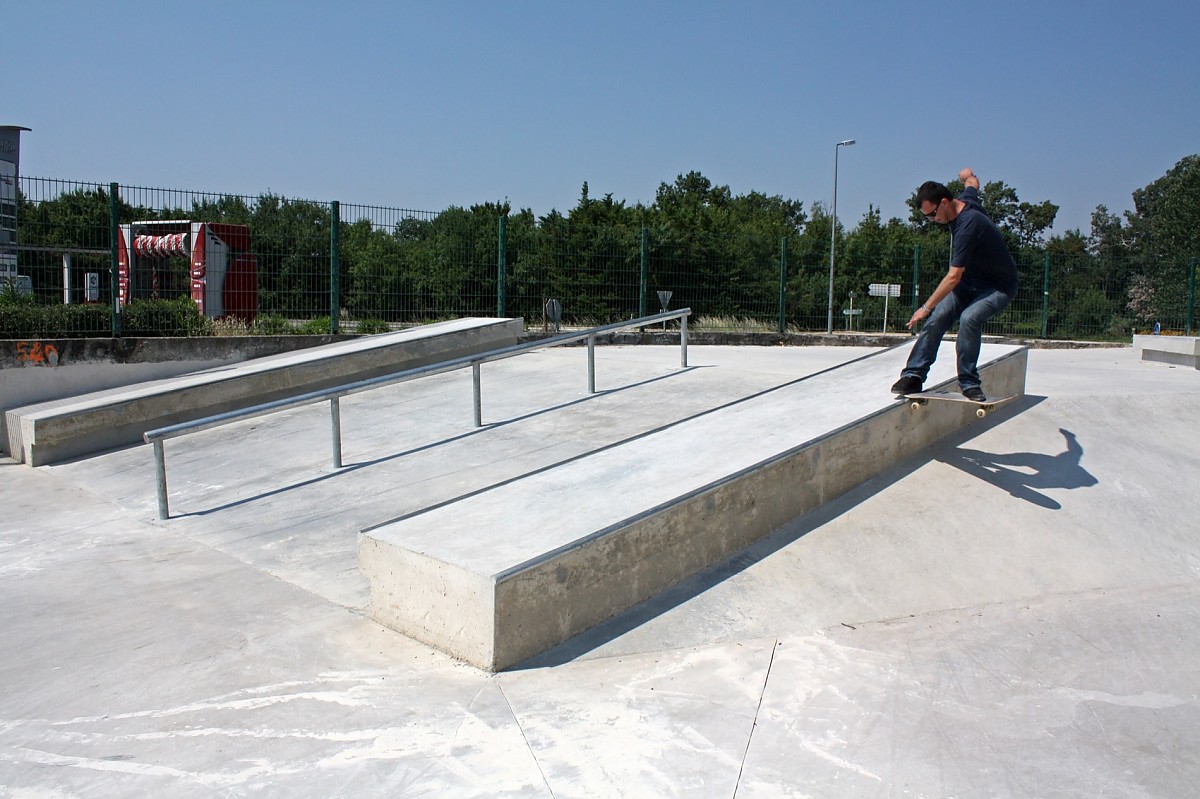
160 473
478 399
683 342
335 419
591 342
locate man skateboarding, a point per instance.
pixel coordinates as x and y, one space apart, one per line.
981 282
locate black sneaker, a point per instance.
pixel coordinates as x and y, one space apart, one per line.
975 394
907 385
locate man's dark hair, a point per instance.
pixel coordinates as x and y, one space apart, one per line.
932 192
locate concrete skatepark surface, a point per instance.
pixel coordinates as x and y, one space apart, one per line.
1013 612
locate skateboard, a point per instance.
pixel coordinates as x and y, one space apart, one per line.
982 408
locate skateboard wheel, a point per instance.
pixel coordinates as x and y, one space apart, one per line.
916 405
981 412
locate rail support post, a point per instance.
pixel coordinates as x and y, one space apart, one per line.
160 474
478 398
335 423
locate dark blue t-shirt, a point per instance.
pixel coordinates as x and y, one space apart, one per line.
980 249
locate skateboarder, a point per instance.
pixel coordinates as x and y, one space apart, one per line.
981 282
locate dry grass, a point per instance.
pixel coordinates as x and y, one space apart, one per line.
230 326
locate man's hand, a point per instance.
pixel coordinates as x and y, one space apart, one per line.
917 316
967 176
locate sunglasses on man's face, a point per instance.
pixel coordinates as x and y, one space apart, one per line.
933 214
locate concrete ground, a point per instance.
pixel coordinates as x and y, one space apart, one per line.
1014 612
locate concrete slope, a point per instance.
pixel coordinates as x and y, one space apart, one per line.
142 660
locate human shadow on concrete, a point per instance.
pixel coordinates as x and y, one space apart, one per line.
1025 475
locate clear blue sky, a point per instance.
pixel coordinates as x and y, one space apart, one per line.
431 104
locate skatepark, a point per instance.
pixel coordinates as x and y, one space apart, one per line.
1004 609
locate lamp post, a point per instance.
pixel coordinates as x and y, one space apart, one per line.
833 230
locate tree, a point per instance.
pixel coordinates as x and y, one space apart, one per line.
1163 223
1023 224
1109 237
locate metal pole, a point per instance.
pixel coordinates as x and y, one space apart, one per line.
114 230
66 278
1191 301
501 251
335 267
1046 296
335 419
783 262
683 342
160 474
833 231
916 277
644 279
591 342
477 396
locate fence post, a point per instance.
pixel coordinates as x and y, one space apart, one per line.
644 280
1046 296
1191 302
114 230
916 283
501 253
783 265
335 265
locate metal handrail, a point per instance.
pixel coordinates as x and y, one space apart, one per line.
334 395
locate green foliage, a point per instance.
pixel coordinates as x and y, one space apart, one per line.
1023 224
11 296
372 326
177 317
1163 224
270 324
718 252
313 327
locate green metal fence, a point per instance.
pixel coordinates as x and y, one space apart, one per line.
338 267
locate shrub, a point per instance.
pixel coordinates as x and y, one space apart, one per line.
177 317
371 326
270 324
314 327
22 317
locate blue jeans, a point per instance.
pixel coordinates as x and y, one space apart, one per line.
971 306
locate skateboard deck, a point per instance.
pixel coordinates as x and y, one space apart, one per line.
982 409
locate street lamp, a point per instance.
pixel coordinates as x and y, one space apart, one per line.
833 230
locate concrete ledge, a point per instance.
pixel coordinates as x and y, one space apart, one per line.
54 431
1172 350
502 575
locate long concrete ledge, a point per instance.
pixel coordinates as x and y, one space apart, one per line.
504 574
54 431
1171 350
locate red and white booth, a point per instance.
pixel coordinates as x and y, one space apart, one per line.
223 274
